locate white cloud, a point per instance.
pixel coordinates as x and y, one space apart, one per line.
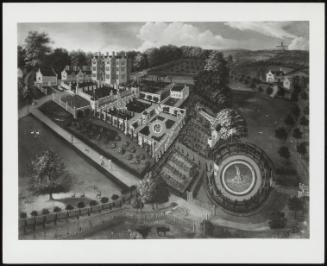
299 43
155 34
272 29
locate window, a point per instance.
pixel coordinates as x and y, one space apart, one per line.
107 76
94 68
122 69
122 76
107 68
94 75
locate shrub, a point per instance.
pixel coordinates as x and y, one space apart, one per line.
260 89
69 207
114 197
104 200
129 156
113 145
297 133
277 220
117 138
45 211
302 148
304 121
81 205
296 111
304 96
34 213
56 209
23 215
284 152
289 120
93 203
269 90
281 133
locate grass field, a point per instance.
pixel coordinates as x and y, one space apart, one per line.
263 115
84 175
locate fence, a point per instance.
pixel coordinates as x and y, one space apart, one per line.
86 227
29 223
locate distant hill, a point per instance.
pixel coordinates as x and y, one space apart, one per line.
290 58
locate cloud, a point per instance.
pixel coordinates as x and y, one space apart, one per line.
155 34
271 29
299 43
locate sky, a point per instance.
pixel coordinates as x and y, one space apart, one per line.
117 36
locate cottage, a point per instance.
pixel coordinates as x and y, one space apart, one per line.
275 76
46 77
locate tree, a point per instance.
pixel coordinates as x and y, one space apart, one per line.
81 205
137 203
58 59
36 48
93 203
289 120
269 90
277 220
56 209
45 211
306 110
34 213
302 148
79 58
207 228
217 64
104 200
295 204
284 152
304 121
152 190
69 207
49 175
23 215
21 54
114 197
140 62
304 96
143 230
296 111
297 133
281 133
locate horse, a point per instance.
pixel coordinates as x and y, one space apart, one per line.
162 229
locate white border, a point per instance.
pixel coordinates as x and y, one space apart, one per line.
205 251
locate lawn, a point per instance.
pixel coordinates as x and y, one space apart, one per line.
84 175
263 115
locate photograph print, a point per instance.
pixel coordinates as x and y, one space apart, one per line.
163 130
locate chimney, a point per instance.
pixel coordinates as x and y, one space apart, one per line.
113 53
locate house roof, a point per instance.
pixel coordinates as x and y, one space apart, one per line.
47 71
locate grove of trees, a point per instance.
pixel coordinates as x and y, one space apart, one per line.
49 175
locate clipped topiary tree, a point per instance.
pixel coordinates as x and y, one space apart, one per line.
281 133
104 200
297 133
284 152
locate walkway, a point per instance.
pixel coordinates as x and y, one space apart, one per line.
200 213
115 170
26 110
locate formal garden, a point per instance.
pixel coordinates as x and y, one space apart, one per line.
102 137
